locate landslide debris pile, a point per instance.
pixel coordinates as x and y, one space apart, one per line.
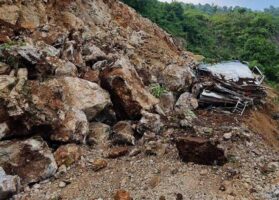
78 73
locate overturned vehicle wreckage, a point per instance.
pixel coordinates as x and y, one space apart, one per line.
232 85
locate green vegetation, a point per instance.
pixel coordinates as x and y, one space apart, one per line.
220 33
157 90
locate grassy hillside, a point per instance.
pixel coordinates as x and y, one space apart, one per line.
220 33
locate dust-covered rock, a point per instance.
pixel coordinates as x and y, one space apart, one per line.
30 159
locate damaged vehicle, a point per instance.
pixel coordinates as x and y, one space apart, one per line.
232 85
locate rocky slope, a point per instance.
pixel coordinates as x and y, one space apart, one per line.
77 86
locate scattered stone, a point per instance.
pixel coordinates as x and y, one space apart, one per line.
99 164
155 148
135 152
98 133
149 122
227 136
30 159
167 101
186 101
9 185
67 154
4 130
200 151
37 186
62 184
123 134
122 195
4 69
116 152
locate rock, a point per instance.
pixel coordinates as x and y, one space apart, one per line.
186 101
37 186
30 159
65 104
177 78
67 154
9 14
149 122
155 148
9 185
167 101
30 16
99 164
200 151
5 82
127 91
4 69
71 21
73 127
98 133
122 195
92 75
62 184
61 67
116 152
4 130
227 136
123 134
93 54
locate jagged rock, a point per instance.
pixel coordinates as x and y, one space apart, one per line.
30 159
98 133
67 154
200 151
92 75
9 185
122 195
61 67
6 82
71 21
123 134
4 69
9 14
167 101
127 90
186 101
177 78
116 152
99 164
31 16
155 148
149 122
4 129
72 127
93 54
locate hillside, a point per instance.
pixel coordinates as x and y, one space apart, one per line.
220 33
97 102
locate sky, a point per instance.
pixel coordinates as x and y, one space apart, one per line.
253 4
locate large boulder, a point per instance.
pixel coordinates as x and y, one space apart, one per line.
177 78
9 185
67 154
72 127
128 93
30 159
98 133
123 133
186 101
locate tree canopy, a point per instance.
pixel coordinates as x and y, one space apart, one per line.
220 33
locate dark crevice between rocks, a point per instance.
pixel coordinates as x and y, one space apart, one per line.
200 151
